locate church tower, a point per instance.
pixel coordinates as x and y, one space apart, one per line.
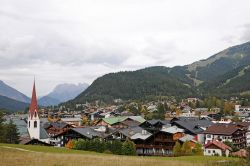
33 124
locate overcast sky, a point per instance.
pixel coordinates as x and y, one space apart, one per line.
72 41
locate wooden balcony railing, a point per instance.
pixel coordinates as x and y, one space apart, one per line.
154 146
163 140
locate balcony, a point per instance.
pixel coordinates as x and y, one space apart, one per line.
154 146
163 140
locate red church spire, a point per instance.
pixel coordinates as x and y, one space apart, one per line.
33 105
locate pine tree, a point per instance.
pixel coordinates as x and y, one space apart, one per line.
2 128
177 149
11 133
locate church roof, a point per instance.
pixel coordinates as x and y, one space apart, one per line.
33 103
43 133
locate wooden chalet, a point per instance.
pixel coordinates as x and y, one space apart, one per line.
159 144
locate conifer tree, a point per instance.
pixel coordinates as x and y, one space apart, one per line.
2 129
11 133
177 149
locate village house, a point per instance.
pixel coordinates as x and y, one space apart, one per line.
245 125
160 142
134 132
75 122
190 139
192 126
154 124
121 121
214 147
244 109
192 100
55 128
226 132
87 132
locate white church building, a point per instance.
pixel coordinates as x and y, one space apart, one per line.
33 123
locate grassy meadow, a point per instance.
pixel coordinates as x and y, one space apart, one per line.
11 155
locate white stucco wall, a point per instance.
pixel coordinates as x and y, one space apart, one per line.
210 137
212 152
34 132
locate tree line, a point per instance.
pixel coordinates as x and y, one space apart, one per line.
186 150
99 145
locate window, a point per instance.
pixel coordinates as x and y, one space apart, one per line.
208 136
209 151
35 124
213 151
35 114
29 124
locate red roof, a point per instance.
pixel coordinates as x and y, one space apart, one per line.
219 144
33 104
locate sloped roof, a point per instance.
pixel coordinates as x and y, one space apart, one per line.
222 129
172 130
193 125
90 132
135 132
154 121
43 133
58 125
219 144
130 131
141 136
33 104
114 120
187 138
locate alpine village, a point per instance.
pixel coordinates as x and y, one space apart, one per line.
158 111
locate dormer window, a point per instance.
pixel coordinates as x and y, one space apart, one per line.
35 114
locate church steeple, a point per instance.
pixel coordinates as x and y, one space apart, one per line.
33 118
33 111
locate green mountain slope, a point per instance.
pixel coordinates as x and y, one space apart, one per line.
154 81
221 63
225 73
234 83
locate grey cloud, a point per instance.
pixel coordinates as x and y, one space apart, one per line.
78 40
246 35
55 49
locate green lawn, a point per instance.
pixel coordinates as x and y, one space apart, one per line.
81 156
49 149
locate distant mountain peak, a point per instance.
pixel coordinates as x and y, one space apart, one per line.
63 92
7 91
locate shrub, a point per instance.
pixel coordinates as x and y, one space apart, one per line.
198 150
69 144
177 149
186 148
115 147
128 148
79 144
